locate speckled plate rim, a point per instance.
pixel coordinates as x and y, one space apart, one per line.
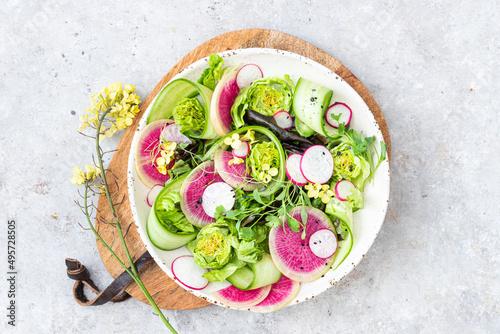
380 185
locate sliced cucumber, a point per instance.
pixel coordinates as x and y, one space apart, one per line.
257 275
242 278
303 129
341 210
265 273
159 235
310 103
172 93
344 247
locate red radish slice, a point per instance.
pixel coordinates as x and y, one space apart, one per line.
316 164
218 193
172 133
153 193
223 98
336 109
292 169
281 294
242 151
343 189
283 119
188 273
248 74
323 243
234 297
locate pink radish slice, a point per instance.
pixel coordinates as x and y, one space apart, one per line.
153 193
283 119
248 74
242 151
323 243
336 109
281 294
292 169
316 164
218 193
343 189
223 98
234 297
188 273
172 133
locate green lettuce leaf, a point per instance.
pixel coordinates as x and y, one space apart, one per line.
189 114
249 251
170 214
220 275
212 75
260 154
265 96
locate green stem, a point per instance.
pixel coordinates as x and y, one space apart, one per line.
133 270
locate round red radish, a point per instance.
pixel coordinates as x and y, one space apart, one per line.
336 109
248 74
234 297
223 98
291 254
323 243
218 193
283 119
281 294
234 175
343 189
148 150
172 133
153 193
242 151
316 164
192 190
292 169
188 273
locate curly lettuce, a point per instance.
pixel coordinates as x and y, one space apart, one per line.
170 215
189 114
214 72
266 96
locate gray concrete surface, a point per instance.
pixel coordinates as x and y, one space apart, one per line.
431 65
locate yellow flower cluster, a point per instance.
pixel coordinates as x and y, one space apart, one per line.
235 142
267 173
321 191
79 177
122 103
167 151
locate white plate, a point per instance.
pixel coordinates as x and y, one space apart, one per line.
367 222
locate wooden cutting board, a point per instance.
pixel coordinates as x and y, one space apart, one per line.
165 291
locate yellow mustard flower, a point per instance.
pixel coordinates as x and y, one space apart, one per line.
321 191
267 173
234 141
79 177
167 152
235 161
249 136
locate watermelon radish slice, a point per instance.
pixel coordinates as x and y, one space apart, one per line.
192 190
223 98
153 193
218 193
283 119
235 297
188 273
317 164
292 167
147 151
281 294
242 151
292 254
172 133
323 243
248 74
343 189
234 175
336 109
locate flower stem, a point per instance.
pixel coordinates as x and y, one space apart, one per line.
133 270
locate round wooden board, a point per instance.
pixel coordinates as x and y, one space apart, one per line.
167 293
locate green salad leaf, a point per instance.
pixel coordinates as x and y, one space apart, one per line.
189 114
214 72
220 275
170 214
265 96
262 159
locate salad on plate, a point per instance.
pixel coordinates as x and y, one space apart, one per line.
257 177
